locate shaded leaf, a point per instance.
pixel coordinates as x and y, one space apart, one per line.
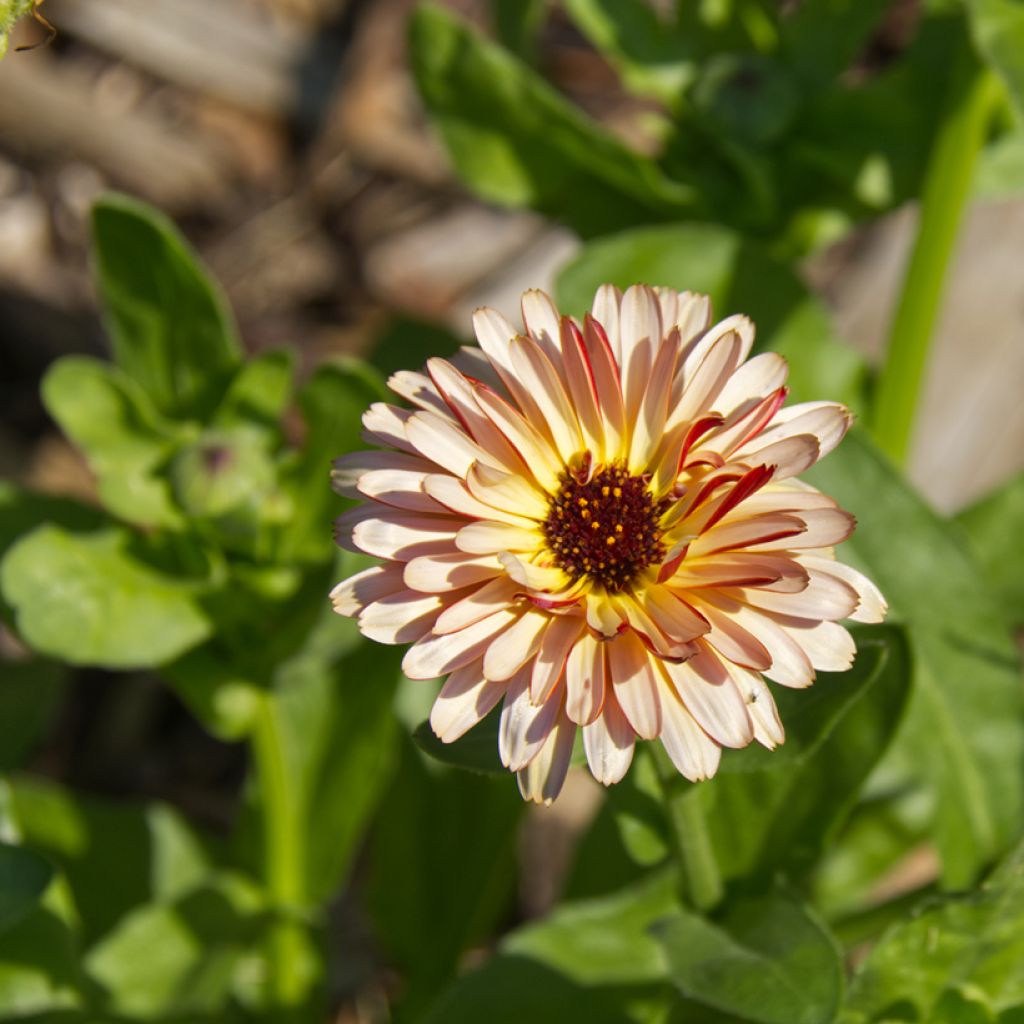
24 876
998 30
87 599
38 967
30 693
475 751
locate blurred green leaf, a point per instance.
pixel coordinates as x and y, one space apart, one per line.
971 945
22 511
998 30
30 693
332 402
739 277
518 23
216 690
965 722
653 55
89 600
593 960
24 876
475 751
775 811
995 528
999 174
169 324
38 967
258 395
516 141
125 441
767 960
441 868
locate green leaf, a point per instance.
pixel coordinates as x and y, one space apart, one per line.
38 967
965 722
475 751
258 395
216 690
24 876
995 529
740 277
22 511
767 960
332 402
91 599
970 945
30 692
653 55
590 960
518 24
169 324
516 141
125 441
998 30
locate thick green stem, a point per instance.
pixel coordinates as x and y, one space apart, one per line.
284 860
973 91
700 880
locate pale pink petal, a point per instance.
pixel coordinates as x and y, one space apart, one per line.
712 697
549 661
649 426
735 533
436 574
514 648
542 779
871 605
744 424
465 699
524 725
756 378
825 597
740 569
731 640
435 656
418 389
601 360
672 615
536 373
582 385
691 750
489 537
534 449
825 527
721 352
400 618
485 600
395 534
693 317
399 488
768 729
787 457
452 494
351 596
585 680
605 311
828 646
608 742
540 318
827 421
347 469
444 443
783 498
790 665
385 425
635 685
640 334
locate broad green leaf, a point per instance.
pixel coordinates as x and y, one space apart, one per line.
92 599
215 690
739 277
995 528
971 945
774 811
767 960
332 402
125 441
652 54
965 722
38 967
518 23
22 511
114 856
258 395
194 950
593 960
475 751
169 324
30 692
441 868
998 30
515 141
24 876
999 173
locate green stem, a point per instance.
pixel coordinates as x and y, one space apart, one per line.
284 859
973 92
701 882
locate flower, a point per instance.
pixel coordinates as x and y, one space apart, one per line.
599 526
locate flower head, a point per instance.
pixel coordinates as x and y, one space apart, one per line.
599 525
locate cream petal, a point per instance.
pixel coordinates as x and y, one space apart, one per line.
494 333
756 378
768 728
744 424
489 537
609 742
385 425
435 656
673 616
649 427
533 577
708 376
790 665
540 318
524 725
828 646
485 600
782 498
437 574
443 442
542 779
826 421
608 386
582 385
399 535
541 380
640 335
473 364
635 685
509 492
465 700
400 618
825 597
347 469
516 646
602 617
452 494
585 680
711 696
871 605
739 569
533 448
734 533
549 662
605 310
418 389
732 641
825 527
351 596
788 457
691 750
399 488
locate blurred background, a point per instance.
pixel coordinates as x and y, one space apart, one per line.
287 140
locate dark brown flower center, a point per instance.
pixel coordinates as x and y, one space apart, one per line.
606 528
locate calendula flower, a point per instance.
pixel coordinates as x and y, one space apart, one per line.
598 525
